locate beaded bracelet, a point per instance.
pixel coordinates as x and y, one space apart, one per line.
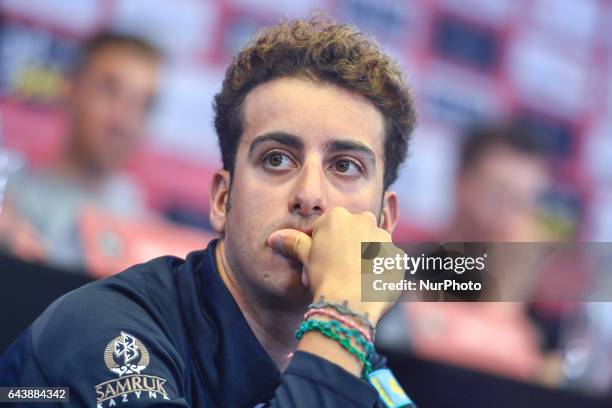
337 316
343 309
349 333
326 330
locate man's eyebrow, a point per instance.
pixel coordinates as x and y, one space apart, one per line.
335 145
283 138
343 145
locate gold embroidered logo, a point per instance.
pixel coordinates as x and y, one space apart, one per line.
127 356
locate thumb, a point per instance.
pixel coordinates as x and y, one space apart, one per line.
291 243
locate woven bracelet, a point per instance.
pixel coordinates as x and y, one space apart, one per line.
345 310
326 330
360 340
341 318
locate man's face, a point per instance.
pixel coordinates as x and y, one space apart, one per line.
498 196
109 102
306 147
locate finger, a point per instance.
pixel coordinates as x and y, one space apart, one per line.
291 243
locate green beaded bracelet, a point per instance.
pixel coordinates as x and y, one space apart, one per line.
326 329
359 338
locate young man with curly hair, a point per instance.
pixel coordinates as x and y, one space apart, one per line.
313 122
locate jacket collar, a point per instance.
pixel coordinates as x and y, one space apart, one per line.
234 367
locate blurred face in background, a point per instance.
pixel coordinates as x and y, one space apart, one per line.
497 195
306 148
109 102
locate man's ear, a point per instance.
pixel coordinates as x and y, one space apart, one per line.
217 200
390 212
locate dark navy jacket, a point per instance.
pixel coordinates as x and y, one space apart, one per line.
168 333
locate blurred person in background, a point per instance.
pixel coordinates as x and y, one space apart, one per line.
502 175
111 93
503 172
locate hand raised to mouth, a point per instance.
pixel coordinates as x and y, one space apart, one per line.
331 255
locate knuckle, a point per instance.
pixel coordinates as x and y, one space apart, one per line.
338 212
336 215
368 216
385 235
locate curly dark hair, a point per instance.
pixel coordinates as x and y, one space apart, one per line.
320 50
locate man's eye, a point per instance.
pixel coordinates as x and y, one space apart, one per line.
347 167
277 160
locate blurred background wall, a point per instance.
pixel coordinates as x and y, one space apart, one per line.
546 64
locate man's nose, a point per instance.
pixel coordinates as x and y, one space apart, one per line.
309 195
